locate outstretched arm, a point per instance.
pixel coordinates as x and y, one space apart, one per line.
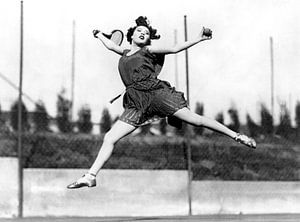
110 45
180 46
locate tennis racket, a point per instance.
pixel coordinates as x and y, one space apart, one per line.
116 36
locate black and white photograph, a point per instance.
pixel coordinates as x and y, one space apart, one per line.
149 110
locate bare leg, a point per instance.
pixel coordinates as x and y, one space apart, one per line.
197 120
119 130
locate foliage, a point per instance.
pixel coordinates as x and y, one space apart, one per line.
2 123
145 129
216 158
163 126
297 117
199 110
106 121
285 126
180 127
84 122
266 120
63 117
41 118
253 128
14 116
220 117
234 116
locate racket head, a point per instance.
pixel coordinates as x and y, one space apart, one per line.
117 36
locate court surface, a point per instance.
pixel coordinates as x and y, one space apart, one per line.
210 218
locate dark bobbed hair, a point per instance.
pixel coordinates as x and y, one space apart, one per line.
142 21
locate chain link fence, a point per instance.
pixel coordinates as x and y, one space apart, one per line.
156 146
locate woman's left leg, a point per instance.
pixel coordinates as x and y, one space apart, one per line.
197 120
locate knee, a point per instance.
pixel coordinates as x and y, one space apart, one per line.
195 121
190 117
109 138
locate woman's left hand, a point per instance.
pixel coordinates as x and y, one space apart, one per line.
205 34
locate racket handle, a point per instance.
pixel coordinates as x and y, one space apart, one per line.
95 33
114 99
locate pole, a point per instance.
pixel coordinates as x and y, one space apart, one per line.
290 104
186 63
176 61
73 70
188 134
272 77
20 165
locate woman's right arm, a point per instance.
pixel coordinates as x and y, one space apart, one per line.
110 45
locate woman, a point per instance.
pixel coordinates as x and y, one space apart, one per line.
147 98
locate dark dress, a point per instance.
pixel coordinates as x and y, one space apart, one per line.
147 98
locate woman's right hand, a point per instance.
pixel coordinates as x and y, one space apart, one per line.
96 33
107 42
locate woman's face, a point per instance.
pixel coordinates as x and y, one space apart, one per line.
141 35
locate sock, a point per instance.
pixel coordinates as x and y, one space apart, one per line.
91 175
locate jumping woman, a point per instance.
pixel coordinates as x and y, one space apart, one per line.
148 98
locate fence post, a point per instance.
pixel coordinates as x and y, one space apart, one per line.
20 153
187 140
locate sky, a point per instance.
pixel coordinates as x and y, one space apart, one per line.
232 69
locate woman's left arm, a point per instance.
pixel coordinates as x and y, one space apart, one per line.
179 46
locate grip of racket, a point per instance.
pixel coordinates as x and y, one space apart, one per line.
95 33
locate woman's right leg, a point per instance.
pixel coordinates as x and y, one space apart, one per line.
119 130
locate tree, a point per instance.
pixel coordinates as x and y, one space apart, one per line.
220 117
235 122
145 129
199 110
3 126
253 128
63 118
106 121
163 126
266 120
84 122
41 118
297 117
285 127
180 126
1 121
14 116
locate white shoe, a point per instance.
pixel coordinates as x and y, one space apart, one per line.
243 139
87 180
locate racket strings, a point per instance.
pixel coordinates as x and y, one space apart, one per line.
117 37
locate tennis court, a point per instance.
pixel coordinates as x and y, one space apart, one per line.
209 218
